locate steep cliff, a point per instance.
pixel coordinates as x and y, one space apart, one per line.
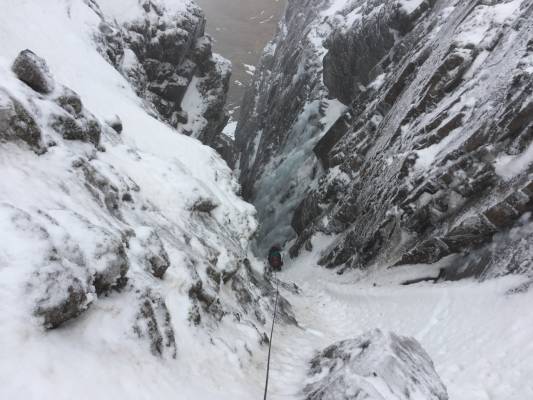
430 154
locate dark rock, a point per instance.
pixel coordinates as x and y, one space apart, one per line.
32 70
225 146
330 139
16 123
208 302
154 323
83 129
127 197
204 206
354 53
71 304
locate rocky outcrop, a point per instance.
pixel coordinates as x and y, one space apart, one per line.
431 157
374 366
169 60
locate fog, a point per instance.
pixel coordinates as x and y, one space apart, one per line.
241 29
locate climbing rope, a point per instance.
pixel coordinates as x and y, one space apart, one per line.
271 334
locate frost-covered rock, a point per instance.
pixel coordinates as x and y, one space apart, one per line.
164 51
74 122
374 366
153 322
16 123
432 151
32 70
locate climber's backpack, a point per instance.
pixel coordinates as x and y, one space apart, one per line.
274 259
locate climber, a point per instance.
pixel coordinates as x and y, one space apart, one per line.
275 260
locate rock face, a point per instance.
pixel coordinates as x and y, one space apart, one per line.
430 156
375 366
168 58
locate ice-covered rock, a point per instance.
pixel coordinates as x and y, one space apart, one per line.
374 366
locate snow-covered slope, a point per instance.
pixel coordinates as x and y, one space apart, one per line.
478 335
122 233
433 155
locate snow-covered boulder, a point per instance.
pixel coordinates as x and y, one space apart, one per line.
32 70
374 366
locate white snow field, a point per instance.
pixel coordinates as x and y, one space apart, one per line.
480 338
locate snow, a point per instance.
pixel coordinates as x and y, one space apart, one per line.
478 337
250 69
334 110
410 5
194 105
478 28
230 129
510 166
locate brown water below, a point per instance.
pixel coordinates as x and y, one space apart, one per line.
241 29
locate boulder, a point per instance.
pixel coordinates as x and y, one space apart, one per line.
70 306
32 70
60 287
374 366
